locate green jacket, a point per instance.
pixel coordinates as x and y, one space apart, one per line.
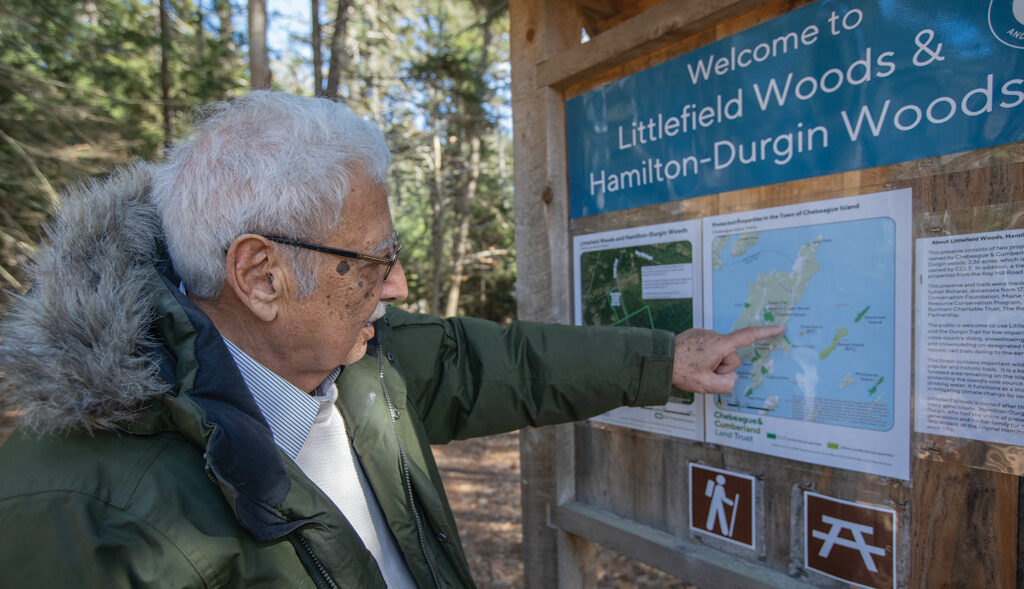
143 460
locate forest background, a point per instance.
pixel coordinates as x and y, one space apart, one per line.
88 85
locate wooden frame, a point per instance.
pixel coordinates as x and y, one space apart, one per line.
585 483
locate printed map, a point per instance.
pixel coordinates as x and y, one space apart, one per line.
640 286
833 286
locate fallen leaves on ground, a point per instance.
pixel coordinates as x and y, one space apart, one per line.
481 478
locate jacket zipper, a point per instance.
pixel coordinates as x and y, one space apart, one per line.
302 540
421 533
316 561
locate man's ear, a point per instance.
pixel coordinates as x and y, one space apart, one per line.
256 274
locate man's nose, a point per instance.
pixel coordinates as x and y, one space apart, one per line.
396 289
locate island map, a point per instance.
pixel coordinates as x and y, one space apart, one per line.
833 286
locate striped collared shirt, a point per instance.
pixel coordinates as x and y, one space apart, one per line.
289 411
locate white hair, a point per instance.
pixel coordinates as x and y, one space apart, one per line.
268 163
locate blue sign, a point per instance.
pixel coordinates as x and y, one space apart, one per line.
831 87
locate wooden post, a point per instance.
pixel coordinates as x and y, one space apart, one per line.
542 29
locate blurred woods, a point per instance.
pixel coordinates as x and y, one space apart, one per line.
91 84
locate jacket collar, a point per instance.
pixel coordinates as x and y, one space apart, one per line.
105 341
71 354
212 406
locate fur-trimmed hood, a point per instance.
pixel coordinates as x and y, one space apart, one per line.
71 350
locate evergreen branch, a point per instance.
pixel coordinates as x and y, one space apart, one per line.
51 194
93 91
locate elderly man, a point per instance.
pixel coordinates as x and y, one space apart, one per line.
214 394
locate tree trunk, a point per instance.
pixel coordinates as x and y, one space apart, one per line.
338 60
165 71
205 69
317 41
355 92
464 200
226 33
437 249
374 66
463 211
259 58
91 13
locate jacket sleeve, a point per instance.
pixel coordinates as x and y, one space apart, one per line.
469 377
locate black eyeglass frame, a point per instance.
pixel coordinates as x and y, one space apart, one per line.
388 261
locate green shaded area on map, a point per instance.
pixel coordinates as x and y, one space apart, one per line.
611 290
861 314
840 334
874 389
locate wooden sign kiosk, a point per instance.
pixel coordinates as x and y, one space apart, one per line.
959 517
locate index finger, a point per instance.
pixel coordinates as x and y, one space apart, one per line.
748 335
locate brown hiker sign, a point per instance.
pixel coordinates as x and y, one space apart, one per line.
722 504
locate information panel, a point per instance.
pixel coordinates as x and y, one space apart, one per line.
831 87
969 374
835 388
644 277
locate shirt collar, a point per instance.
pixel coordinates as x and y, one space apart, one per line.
289 411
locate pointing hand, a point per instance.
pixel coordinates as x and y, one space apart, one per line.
706 361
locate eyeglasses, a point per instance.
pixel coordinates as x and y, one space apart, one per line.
388 262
